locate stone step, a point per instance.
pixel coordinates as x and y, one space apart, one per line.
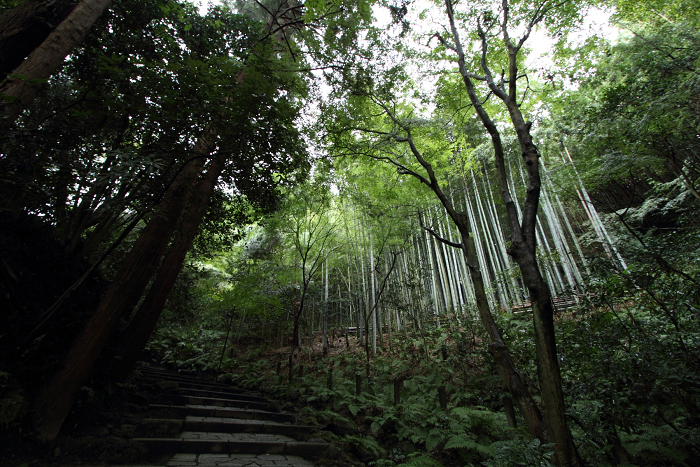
230 460
217 388
233 425
233 443
205 423
163 371
227 460
222 412
187 383
219 395
166 427
155 373
178 379
183 399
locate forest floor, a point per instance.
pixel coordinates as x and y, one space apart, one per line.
313 356
99 431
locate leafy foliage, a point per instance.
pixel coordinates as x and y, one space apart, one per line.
521 452
640 113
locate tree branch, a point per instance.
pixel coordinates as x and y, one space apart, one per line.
437 236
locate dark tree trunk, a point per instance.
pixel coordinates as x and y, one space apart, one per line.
523 250
522 231
25 27
509 375
497 346
296 342
56 398
19 90
135 337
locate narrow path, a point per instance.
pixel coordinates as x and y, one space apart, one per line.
204 423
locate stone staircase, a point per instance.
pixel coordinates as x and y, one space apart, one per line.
204 423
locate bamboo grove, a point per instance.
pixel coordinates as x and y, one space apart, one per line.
429 281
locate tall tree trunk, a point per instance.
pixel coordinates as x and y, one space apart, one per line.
515 290
480 254
497 346
524 250
296 341
372 279
24 83
325 312
135 337
56 398
26 26
524 235
510 376
489 245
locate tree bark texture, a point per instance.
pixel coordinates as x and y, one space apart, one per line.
56 398
523 231
135 337
25 81
296 342
524 251
25 27
510 376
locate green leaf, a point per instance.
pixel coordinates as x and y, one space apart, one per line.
354 410
422 460
435 437
460 442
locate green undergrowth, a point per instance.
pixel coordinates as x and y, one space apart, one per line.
630 374
416 430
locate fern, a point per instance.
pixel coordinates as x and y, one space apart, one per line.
434 438
328 416
652 442
418 434
460 442
521 452
422 461
366 444
477 419
354 410
382 463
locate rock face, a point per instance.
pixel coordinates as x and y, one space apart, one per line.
211 424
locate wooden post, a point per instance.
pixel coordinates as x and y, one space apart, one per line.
228 331
397 391
358 384
279 367
442 395
510 412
